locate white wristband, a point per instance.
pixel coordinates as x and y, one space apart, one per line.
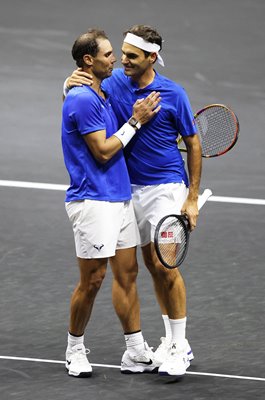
65 88
125 133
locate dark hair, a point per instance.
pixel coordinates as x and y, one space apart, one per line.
147 33
87 44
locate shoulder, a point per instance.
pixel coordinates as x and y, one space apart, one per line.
82 94
170 85
173 92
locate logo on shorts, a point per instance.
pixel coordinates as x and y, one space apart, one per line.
98 246
167 234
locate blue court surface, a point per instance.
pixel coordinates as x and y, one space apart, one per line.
215 49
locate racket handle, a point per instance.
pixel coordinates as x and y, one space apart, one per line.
204 197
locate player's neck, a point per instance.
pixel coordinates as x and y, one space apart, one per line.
146 78
96 85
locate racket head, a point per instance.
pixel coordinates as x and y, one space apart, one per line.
171 240
218 128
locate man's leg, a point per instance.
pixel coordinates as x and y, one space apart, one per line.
92 273
169 285
175 355
124 291
138 357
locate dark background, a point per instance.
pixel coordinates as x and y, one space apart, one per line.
215 49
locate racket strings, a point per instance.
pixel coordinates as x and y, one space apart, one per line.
172 241
215 140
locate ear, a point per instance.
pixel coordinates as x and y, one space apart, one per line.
88 60
153 58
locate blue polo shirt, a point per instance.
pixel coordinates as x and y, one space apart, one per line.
152 156
84 111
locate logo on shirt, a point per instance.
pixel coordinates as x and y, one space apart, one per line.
98 246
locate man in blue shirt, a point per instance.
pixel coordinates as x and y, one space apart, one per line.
160 184
98 203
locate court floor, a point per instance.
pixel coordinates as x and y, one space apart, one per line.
216 50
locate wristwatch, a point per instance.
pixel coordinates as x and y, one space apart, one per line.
134 123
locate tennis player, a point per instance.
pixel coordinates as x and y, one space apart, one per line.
160 183
98 203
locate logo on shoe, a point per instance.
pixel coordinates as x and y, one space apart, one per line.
150 362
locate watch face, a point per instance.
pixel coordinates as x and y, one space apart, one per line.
133 121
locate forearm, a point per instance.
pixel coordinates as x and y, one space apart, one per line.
107 149
194 163
102 148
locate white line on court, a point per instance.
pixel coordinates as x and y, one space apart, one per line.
33 185
58 187
53 186
40 360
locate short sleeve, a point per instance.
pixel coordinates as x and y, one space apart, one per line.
184 115
88 114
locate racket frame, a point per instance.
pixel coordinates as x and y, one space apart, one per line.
185 222
186 229
235 136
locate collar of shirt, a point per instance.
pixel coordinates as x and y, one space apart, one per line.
155 85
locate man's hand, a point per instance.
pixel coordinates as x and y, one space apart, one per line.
194 161
145 109
79 78
190 209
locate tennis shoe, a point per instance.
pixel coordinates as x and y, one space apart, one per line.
177 361
77 363
143 362
163 350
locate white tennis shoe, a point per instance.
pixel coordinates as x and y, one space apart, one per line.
77 363
144 362
177 360
163 350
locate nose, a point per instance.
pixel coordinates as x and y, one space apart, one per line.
124 59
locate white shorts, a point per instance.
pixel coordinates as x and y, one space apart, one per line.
101 227
151 203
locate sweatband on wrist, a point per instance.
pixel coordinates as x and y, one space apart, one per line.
65 88
125 133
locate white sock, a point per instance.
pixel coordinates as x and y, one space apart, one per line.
74 340
168 333
178 329
134 342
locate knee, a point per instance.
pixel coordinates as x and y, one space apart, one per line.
92 285
161 274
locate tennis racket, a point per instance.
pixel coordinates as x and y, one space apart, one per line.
172 236
218 129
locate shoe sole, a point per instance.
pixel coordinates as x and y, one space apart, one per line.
85 374
81 375
128 371
174 376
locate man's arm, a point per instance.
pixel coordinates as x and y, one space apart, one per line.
194 162
77 78
103 149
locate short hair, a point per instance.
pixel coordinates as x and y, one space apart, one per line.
147 33
87 44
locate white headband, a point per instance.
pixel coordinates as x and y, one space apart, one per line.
139 42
